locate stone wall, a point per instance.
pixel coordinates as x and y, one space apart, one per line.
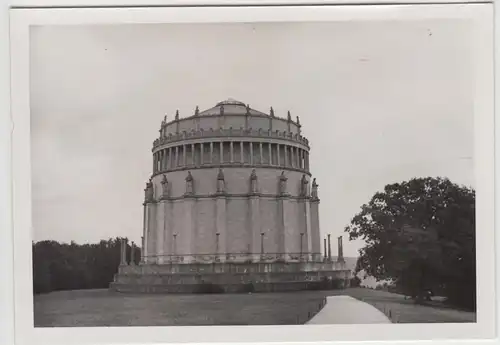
246 223
228 121
229 277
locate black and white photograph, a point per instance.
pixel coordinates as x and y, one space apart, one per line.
256 173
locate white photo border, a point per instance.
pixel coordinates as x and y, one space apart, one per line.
480 15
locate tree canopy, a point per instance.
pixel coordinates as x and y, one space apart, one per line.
62 266
420 234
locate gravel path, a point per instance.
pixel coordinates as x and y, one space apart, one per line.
347 310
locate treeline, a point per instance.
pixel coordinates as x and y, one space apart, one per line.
62 266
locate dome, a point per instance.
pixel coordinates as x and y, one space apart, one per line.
231 107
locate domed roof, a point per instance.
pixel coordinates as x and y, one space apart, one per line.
230 107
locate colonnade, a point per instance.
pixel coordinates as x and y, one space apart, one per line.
236 152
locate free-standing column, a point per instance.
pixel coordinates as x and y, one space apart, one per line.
176 157
315 230
231 152
242 158
132 253
251 152
221 153
163 160
123 252
340 257
211 152
201 154
278 154
329 249
325 248
217 247
270 154
193 161
297 157
285 149
184 155
261 160
142 251
170 158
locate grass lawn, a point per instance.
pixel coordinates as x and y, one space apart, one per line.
406 311
106 308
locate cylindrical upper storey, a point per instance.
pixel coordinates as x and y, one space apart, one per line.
231 133
234 115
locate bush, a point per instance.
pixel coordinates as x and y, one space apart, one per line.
207 287
355 282
248 287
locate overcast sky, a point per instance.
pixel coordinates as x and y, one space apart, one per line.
379 102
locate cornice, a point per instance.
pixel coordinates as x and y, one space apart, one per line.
231 165
230 196
231 133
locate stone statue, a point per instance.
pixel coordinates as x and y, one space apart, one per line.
149 192
283 180
253 181
314 193
197 111
177 115
220 182
248 109
298 121
304 186
222 109
164 186
289 116
271 112
189 183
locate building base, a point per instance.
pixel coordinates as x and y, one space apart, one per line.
230 277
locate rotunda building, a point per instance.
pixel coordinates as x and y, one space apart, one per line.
231 191
231 184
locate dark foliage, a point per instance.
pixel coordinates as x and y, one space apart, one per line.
355 282
248 288
208 288
421 235
62 266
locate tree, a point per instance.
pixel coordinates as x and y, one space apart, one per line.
420 234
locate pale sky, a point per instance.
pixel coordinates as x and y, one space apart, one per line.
380 102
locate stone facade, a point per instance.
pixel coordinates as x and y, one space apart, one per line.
230 184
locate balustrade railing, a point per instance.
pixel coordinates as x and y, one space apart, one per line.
237 258
221 132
